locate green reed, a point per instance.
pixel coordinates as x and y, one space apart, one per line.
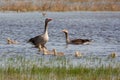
54 68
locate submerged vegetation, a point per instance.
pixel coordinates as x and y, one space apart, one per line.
59 5
54 68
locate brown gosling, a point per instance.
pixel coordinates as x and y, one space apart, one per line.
78 54
113 55
10 41
57 53
45 51
40 48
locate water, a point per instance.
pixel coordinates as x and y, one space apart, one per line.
102 27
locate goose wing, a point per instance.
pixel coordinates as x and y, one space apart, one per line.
79 41
37 40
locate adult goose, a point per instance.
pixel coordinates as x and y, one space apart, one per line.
43 38
75 41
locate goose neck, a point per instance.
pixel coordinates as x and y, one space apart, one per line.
67 38
46 28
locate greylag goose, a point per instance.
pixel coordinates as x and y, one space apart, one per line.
75 41
43 50
43 38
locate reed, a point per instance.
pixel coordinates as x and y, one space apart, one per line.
60 73
60 68
60 5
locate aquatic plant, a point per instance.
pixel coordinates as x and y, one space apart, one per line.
59 68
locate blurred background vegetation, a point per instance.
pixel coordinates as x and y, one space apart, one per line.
59 5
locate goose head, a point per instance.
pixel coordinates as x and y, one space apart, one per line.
48 20
65 30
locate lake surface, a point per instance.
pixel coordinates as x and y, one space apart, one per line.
102 27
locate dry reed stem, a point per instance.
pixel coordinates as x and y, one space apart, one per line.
60 5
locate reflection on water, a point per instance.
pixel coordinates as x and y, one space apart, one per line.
102 27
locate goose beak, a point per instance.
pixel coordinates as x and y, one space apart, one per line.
62 31
49 19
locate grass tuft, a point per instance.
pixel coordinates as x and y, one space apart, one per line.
59 69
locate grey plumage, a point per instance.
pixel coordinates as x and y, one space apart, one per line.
75 41
43 38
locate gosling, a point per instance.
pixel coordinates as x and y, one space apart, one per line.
113 55
10 41
78 54
57 53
